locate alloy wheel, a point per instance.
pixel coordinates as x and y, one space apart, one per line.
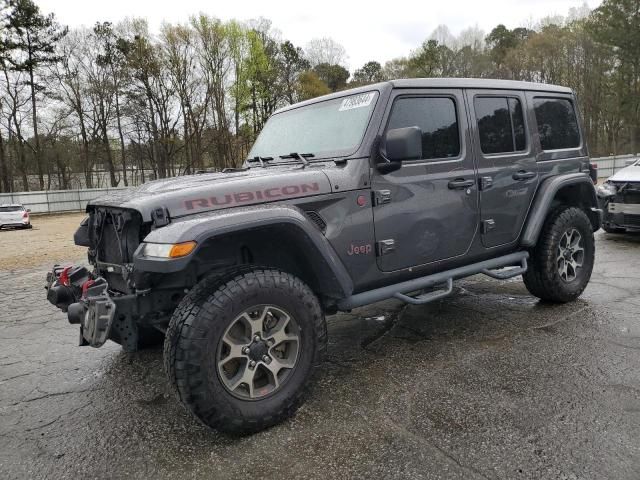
258 352
570 255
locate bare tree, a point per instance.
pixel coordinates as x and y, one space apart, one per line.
325 50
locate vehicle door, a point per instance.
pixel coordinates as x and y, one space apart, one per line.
506 161
428 209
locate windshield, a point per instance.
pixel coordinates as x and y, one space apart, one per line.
11 209
325 129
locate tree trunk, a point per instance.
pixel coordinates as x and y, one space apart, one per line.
62 176
123 155
5 183
23 167
107 146
34 114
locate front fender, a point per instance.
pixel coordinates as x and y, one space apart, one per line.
550 191
208 226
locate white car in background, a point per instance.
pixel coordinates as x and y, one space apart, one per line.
14 215
619 198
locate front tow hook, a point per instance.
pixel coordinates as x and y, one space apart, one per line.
95 313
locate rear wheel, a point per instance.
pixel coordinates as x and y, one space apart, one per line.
562 261
240 350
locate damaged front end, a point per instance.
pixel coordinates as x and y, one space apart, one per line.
86 300
620 202
112 300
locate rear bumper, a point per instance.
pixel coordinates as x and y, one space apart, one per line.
26 224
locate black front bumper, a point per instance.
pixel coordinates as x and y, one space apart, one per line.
86 300
104 313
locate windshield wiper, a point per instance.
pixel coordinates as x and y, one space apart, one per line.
262 160
299 156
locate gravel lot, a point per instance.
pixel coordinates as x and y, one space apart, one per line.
50 240
489 383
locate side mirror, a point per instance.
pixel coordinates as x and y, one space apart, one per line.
398 145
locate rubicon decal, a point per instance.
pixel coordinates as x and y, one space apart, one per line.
239 198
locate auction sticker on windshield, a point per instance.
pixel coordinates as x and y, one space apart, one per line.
357 101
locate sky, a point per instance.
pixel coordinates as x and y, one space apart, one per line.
372 30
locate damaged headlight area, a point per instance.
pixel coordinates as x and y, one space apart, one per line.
607 189
167 250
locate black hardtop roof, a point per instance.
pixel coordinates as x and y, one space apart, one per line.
471 83
477 83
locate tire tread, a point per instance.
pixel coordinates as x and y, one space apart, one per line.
215 295
541 278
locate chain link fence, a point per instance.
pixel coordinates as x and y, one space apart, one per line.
55 201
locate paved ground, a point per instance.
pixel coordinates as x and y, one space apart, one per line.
486 384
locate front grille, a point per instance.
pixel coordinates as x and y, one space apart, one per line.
109 250
632 220
115 235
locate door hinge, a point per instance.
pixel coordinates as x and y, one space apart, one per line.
381 197
488 225
486 183
385 247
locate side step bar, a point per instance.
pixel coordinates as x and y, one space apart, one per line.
400 290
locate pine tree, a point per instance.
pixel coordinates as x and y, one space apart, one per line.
29 40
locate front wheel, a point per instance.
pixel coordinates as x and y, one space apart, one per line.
240 350
562 261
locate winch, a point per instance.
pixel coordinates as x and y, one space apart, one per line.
86 300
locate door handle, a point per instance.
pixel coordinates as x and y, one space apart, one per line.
460 183
524 175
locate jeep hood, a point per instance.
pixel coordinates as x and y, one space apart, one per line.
627 174
213 191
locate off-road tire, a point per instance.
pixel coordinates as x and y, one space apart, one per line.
195 331
542 278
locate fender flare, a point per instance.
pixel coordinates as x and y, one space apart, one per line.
543 202
210 225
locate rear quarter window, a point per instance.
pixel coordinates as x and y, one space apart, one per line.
557 123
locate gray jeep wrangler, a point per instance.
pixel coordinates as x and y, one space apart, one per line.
393 190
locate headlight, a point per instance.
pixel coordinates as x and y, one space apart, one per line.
607 189
168 250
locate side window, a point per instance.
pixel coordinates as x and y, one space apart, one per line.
436 117
557 123
500 124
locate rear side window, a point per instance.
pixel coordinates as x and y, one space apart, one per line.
500 124
557 123
11 209
436 117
